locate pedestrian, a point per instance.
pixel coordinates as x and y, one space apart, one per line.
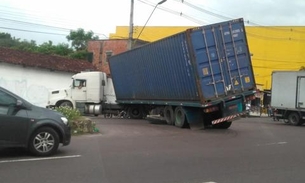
269 110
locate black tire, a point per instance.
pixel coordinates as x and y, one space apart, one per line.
44 142
294 119
66 104
180 118
169 115
223 125
135 112
107 115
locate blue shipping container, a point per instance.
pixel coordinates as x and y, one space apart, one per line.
197 66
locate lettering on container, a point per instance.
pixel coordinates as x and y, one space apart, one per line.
186 57
228 88
234 32
205 71
247 79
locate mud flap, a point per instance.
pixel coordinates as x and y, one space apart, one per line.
194 117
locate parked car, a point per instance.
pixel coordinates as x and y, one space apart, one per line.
37 129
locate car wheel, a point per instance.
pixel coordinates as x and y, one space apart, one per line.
44 142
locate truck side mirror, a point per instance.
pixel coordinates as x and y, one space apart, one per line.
103 83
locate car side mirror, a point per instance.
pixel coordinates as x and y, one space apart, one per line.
19 103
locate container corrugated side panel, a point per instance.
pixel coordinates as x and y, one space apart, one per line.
222 59
160 71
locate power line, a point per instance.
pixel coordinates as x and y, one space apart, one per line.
42 25
36 24
204 10
181 14
33 31
228 18
33 17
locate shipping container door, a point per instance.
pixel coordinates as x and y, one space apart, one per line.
222 59
301 93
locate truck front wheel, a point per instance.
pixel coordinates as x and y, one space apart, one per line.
66 104
294 119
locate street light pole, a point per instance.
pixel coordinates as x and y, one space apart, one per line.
130 36
161 2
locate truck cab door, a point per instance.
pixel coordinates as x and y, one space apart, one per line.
79 90
301 93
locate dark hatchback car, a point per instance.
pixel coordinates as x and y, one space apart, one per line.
37 129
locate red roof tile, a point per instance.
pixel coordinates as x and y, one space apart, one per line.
56 63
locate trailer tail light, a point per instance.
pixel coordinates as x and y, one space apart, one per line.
211 109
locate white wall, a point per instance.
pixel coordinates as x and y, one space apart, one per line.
32 84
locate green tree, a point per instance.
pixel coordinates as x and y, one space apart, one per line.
6 40
81 54
63 49
79 42
59 49
80 38
46 48
26 45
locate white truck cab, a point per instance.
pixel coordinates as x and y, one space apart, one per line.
91 92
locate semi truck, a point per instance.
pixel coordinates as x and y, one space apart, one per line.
288 96
197 78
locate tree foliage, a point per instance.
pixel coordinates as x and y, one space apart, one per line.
78 49
60 49
80 38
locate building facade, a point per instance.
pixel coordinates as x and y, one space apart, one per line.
32 76
103 49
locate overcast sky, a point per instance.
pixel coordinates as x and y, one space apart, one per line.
43 20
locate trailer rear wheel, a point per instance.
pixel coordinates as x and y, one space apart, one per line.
169 115
294 119
135 112
180 118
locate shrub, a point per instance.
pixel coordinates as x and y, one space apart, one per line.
78 123
69 113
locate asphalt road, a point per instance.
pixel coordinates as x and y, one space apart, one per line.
253 150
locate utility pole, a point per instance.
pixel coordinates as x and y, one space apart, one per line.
130 37
161 2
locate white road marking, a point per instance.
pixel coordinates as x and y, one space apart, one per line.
40 159
274 143
209 182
